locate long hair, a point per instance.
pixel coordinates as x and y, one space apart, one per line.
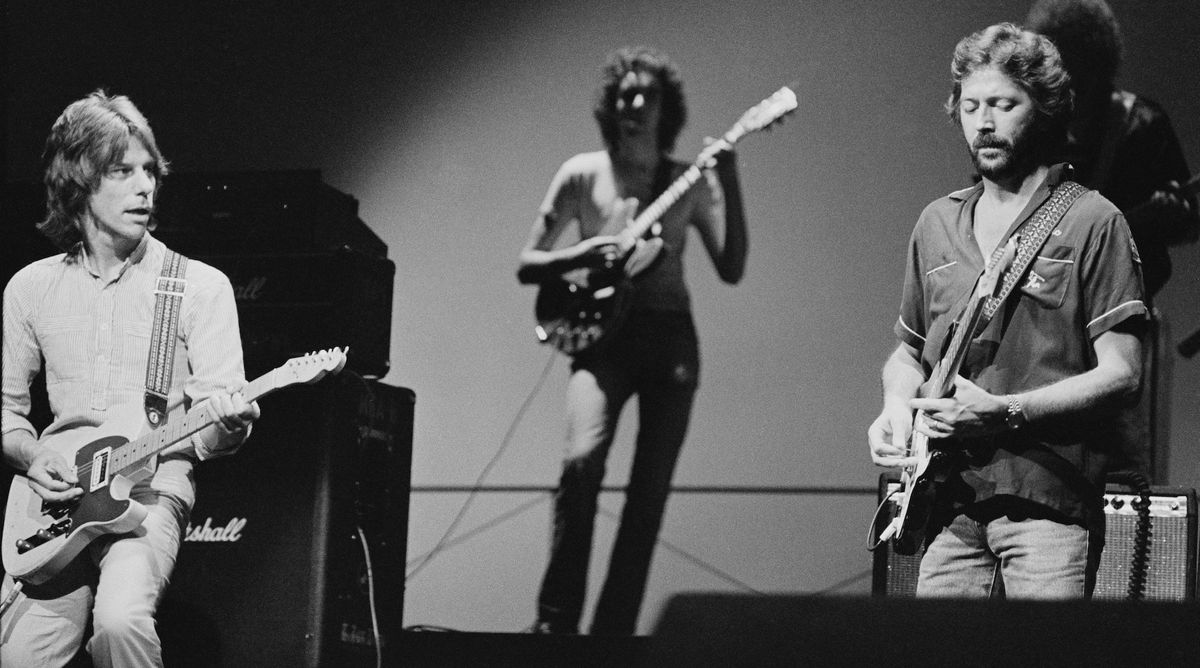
1087 36
641 59
1032 62
88 139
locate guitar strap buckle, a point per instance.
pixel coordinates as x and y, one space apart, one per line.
156 408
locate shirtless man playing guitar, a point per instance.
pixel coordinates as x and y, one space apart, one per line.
653 354
88 314
1024 428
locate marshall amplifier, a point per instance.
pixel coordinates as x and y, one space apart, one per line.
1171 558
226 213
295 553
295 303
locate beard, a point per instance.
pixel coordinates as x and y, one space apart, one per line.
1016 157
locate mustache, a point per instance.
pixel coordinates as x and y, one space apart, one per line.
990 141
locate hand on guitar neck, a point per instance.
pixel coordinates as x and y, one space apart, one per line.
54 479
1169 215
78 483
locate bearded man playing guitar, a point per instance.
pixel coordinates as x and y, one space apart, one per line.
654 353
88 314
1023 432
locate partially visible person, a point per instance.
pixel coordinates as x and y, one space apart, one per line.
655 354
1122 144
1025 432
86 314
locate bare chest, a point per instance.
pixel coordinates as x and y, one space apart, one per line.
991 221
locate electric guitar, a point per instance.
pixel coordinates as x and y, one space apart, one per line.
40 538
917 481
578 309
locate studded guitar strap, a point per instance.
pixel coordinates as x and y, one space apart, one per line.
1033 236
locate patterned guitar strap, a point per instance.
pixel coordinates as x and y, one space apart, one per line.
1033 235
168 299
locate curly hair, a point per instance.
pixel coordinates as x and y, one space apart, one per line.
88 139
1029 59
1086 34
641 59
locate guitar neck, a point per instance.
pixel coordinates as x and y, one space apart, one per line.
134 455
684 182
956 352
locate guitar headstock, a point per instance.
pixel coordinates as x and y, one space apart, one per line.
991 276
768 112
313 366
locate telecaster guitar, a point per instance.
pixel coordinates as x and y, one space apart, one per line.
915 496
577 310
41 538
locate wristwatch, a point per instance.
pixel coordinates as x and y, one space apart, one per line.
1016 413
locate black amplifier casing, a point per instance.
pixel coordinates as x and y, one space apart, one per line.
290 304
249 213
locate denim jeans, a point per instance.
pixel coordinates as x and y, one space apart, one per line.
654 356
1034 559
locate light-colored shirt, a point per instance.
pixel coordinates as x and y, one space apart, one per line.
94 337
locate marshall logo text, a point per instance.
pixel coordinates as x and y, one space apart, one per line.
207 533
251 290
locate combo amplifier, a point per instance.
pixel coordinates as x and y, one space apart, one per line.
1171 558
290 304
295 553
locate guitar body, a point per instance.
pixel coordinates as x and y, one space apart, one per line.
40 539
918 482
581 308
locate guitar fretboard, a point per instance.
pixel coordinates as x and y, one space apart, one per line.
134 455
680 185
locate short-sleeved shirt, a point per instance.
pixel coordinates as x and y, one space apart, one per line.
1084 281
586 190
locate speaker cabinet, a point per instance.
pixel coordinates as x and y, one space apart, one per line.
289 304
274 570
1171 565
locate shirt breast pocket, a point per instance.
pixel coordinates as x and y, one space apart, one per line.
1049 277
66 344
945 284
